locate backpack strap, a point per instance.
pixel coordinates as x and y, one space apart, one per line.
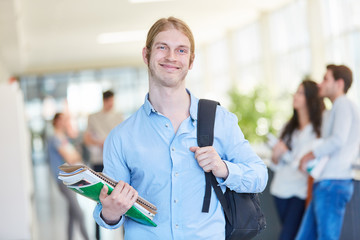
205 137
205 122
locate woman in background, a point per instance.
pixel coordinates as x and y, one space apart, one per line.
61 151
301 132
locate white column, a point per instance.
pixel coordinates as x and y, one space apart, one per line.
16 167
4 74
317 42
267 56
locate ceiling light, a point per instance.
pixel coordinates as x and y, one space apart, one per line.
118 37
148 1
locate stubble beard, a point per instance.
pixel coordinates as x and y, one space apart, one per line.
158 78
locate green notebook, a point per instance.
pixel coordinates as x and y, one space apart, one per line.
87 182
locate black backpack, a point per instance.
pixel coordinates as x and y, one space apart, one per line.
243 215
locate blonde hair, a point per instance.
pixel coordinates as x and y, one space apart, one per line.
164 24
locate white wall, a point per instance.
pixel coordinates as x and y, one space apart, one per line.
16 174
4 75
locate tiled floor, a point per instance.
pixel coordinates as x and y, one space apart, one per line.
51 214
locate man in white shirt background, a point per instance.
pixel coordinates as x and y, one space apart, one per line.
99 126
333 189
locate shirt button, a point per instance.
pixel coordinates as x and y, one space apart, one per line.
176 225
176 174
167 125
175 201
172 149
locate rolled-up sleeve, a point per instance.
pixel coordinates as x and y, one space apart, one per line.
101 222
115 169
247 171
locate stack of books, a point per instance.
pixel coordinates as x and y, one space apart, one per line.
85 181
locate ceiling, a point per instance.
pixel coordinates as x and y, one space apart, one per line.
59 35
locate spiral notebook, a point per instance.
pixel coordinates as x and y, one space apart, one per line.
85 181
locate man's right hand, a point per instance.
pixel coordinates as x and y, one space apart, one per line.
121 199
304 160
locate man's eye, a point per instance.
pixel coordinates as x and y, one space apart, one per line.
182 51
161 47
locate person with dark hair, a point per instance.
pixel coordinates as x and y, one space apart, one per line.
333 189
60 151
154 153
99 126
108 95
300 134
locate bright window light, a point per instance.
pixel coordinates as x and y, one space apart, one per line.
119 37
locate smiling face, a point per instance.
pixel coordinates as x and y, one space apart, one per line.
169 61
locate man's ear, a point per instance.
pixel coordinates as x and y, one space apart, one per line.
144 55
341 84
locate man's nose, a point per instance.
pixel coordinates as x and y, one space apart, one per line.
171 55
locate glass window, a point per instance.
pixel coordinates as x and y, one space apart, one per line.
288 27
218 60
248 52
290 46
246 45
341 21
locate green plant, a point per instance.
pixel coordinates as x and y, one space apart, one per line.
256 113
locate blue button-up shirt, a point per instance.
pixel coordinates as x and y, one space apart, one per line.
145 151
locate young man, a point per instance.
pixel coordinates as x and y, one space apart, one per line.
341 133
155 151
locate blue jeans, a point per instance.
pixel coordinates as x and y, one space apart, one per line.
324 216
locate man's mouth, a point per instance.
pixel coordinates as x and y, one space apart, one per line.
169 66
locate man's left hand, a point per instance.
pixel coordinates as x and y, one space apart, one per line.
210 161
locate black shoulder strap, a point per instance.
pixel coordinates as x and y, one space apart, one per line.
205 122
205 137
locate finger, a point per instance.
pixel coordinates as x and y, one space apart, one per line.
193 149
118 188
210 154
127 191
201 151
103 193
207 167
301 166
206 164
134 196
128 196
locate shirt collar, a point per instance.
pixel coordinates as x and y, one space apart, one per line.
193 105
147 105
338 99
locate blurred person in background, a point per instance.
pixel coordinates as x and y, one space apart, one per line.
290 185
60 151
334 187
99 126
